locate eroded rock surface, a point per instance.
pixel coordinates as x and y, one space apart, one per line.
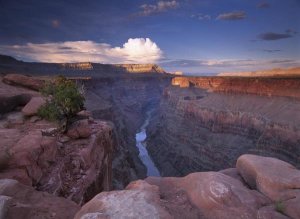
209 195
24 81
139 200
20 201
32 107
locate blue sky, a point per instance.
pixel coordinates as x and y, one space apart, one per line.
196 36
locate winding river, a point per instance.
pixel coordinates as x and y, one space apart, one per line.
140 138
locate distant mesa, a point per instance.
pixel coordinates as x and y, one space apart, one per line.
276 72
7 59
176 73
142 68
78 66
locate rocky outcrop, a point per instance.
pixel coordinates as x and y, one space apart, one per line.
220 126
286 87
83 167
13 97
209 195
76 169
75 165
20 201
32 107
24 81
79 129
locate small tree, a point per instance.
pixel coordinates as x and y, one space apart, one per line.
64 100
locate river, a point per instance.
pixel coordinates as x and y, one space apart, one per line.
140 138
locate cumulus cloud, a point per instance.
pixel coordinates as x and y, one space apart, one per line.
138 50
201 17
235 15
269 36
160 6
263 5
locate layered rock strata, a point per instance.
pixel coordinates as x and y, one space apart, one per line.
193 127
283 87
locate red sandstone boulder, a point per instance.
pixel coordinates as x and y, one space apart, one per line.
269 212
23 202
24 81
139 200
80 129
276 179
32 107
27 156
216 195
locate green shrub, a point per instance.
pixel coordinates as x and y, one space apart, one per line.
279 206
64 100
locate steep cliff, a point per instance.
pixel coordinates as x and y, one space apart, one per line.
287 87
125 101
195 126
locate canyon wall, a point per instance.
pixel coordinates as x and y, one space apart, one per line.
124 100
204 124
287 87
277 72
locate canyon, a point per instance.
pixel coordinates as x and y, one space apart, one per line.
201 120
226 126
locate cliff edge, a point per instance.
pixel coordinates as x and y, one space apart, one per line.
259 187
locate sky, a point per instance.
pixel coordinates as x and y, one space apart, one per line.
193 36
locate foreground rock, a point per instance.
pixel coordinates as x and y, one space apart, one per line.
209 195
32 107
139 200
20 201
274 178
24 81
79 129
74 168
12 97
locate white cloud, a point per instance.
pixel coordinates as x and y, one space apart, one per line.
160 6
201 17
138 50
235 15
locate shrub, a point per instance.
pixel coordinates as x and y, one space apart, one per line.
64 100
279 206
